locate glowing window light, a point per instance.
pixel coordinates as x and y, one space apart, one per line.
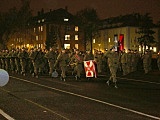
94 40
66 20
154 49
67 46
76 37
109 40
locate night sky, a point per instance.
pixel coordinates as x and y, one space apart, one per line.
105 8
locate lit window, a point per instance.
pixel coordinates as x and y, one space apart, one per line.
34 29
76 37
109 40
37 37
41 28
67 46
76 28
94 40
76 46
39 21
42 20
67 37
66 20
154 49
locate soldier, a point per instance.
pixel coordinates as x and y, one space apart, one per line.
62 59
23 56
146 60
129 61
7 60
113 62
37 58
98 59
51 57
88 56
12 60
17 61
3 59
77 59
158 60
123 61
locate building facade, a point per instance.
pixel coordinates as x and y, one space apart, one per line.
57 27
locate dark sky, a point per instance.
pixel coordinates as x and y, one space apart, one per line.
105 8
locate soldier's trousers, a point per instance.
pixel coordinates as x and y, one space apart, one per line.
78 68
113 71
124 68
63 71
51 67
146 67
37 68
23 65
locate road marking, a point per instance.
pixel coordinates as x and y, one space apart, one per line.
6 115
92 99
34 104
129 79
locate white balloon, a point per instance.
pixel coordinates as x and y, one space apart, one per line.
4 77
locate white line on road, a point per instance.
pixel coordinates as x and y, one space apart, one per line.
6 115
139 80
99 101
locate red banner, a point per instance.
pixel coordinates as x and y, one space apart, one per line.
90 70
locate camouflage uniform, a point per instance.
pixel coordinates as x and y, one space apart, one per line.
62 59
129 61
77 59
23 56
146 60
98 59
88 56
37 58
113 62
17 61
12 60
7 60
123 61
51 57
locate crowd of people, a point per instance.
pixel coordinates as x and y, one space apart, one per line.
37 61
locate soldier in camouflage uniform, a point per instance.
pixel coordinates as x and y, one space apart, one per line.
98 59
12 60
129 61
146 61
37 58
113 63
17 61
88 56
23 56
51 57
62 60
123 61
77 60
7 60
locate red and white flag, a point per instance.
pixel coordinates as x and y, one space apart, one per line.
90 68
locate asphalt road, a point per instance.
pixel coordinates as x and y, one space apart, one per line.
27 98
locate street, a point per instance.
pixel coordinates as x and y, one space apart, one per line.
136 98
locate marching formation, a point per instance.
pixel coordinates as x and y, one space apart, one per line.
37 62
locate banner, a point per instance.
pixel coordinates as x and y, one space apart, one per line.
90 70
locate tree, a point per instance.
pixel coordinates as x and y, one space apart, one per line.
52 37
146 32
14 21
88 21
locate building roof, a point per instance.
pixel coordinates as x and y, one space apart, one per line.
55 16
